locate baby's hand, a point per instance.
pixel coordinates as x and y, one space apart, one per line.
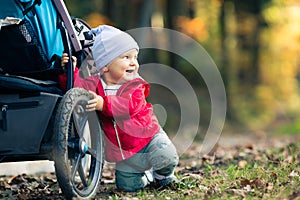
65 60
96 103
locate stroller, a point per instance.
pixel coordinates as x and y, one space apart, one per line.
39 120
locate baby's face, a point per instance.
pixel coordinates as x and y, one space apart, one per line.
122 69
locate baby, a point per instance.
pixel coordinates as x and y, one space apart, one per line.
134 140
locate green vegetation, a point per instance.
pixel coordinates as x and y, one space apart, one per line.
244 173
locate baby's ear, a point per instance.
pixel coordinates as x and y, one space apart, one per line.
104 69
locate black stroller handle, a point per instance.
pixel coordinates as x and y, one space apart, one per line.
70 67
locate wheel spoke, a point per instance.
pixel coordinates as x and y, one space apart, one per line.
82 175
79 127
80 118
92 152
75 167
79 168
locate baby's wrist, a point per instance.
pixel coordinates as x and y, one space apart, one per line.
100 101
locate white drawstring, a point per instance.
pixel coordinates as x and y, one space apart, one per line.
118 139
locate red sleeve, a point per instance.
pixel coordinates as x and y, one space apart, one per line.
62 79
125 106
89 83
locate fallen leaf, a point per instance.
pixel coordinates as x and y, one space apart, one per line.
244 182
242 163
237 192
196 176
294 174
248 188
274 175
270 186
258 183
294 195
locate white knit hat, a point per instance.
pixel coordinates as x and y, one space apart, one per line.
109 43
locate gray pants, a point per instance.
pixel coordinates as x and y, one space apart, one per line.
159 155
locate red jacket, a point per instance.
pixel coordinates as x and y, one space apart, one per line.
127 118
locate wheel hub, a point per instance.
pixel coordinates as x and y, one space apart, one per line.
83 147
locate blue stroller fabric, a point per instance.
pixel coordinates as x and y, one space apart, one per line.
11 84
32 45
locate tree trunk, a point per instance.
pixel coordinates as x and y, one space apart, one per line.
174 10
225 63
248 16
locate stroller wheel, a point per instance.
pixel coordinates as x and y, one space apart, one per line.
78 146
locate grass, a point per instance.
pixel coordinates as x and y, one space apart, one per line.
291 128
249 173
265 169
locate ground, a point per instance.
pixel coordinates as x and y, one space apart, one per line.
257 166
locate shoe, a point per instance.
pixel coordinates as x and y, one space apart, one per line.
167 183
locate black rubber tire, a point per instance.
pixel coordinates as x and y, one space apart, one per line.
78 146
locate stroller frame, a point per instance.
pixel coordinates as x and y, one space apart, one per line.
38 121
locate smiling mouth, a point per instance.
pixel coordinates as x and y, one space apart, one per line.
129 71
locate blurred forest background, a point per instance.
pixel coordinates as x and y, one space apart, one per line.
254 43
